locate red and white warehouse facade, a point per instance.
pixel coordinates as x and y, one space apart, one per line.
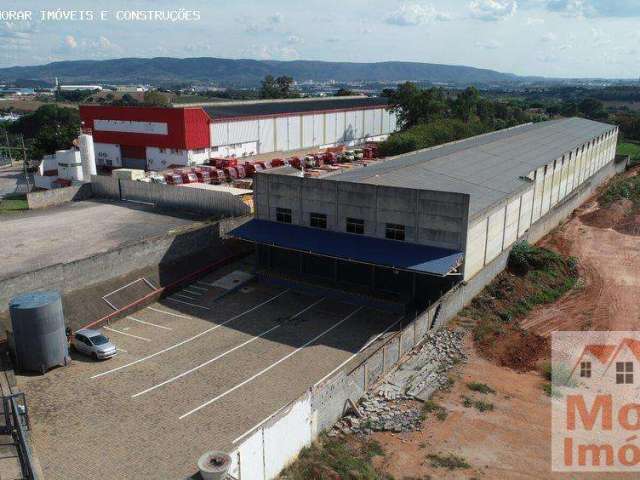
159 137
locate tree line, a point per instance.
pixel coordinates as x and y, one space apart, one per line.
433 116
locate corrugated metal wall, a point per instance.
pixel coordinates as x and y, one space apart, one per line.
499 228
304 131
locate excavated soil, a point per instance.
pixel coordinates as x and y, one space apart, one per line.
609 263
513 440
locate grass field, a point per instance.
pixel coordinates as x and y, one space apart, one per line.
631 149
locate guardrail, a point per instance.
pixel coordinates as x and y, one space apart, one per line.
16 415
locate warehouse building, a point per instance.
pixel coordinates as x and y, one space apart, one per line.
156 138
413 226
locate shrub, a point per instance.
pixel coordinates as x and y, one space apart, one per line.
450 461
480 387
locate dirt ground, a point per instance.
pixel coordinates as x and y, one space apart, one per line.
609 257
513 440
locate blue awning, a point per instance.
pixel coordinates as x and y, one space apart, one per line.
374 251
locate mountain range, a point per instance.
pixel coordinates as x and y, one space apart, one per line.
247 73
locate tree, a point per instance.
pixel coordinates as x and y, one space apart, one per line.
344 92
281 87
127 100
569 109
413 105
592 108
466 104
153 98
48 129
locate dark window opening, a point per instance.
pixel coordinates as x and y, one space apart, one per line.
318 220
394 231
585 369
355 225
624 373
283 215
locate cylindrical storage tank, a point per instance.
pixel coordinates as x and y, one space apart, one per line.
214 465
87 156
39 333
69 165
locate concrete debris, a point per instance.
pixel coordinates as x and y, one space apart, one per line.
424 371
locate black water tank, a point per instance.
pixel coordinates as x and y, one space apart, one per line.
38 331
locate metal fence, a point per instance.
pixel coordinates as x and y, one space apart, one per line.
16 424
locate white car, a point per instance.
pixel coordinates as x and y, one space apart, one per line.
93 343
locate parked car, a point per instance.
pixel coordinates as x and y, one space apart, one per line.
93 343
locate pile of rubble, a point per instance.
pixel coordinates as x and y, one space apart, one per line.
424 371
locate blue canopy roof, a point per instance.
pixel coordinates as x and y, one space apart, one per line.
375 251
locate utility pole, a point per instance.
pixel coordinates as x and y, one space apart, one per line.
24 163
6 136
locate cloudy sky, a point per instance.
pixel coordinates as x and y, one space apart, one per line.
560 38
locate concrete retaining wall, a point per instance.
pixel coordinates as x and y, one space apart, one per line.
113 263
262 453
217 204
58 196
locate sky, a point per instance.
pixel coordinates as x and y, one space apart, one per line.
553 38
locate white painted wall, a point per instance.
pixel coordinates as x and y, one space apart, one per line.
124 126
295 132
162 158
108 155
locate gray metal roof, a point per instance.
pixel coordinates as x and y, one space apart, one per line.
489 168
276 107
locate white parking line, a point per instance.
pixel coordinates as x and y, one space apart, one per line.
127 334
169 313
218 357
187 303
198 288
176 345
182 295
148 323
193 293
273 365
362 349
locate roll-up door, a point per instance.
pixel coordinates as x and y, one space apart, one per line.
369 129
377 121
242 132
307 131
266 136
294 132
282 133
318 129
220 133
340 126
330 126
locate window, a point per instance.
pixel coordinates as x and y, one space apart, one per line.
585 369
318 220
355 225
283 215
394 231
624 373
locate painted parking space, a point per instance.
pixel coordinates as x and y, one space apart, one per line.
204 379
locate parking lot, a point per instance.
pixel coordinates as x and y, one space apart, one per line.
194 372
